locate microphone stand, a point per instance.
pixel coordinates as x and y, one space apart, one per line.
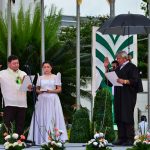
34 96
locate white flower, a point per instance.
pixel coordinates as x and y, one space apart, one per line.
101 144
95 143
51 148
15 144
20 144
0 125
7 137
105 142
92 140
136 137
89 142
53 142
137 141
60 131
23 143
148 133
7 147
96 136
6 143
101 135
15 135
59 144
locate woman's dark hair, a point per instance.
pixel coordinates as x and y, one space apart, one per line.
47 62
12 57
143 118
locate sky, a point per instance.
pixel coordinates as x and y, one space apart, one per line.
95 7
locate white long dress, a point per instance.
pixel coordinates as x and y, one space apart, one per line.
48 112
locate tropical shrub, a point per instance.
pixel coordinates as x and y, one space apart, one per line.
102 114
80 131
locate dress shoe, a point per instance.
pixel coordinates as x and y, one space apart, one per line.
118 142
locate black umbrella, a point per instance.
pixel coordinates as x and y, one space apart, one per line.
126 24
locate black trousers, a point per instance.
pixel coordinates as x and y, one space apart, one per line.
16 114
125 132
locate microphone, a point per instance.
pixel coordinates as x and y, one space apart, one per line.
35 79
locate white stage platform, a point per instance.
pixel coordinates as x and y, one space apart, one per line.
70 146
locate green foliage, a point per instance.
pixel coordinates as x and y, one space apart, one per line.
80 131
102 114
143 55
2 130
26 35
144 6
140 146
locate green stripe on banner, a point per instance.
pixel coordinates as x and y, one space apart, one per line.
103 42
102 84
126 43
101 57
114 39
131 53
101 73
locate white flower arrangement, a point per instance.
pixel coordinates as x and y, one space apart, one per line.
55 142
142 139
141 142
13 141
97 143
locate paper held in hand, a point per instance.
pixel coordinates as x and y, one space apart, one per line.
26 82
112 77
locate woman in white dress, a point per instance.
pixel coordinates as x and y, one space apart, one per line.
48 110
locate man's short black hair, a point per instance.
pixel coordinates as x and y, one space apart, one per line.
115 62
143 118
12 57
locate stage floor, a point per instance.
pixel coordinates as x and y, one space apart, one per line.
71 146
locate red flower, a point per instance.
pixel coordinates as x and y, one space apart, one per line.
22 137
57 134
56 129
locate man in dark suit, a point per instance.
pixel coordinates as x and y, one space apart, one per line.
125 98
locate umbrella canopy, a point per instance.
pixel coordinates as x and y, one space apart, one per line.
126 24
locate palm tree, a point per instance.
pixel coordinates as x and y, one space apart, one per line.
26 36
26 44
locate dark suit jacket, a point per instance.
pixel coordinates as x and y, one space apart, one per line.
125 96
